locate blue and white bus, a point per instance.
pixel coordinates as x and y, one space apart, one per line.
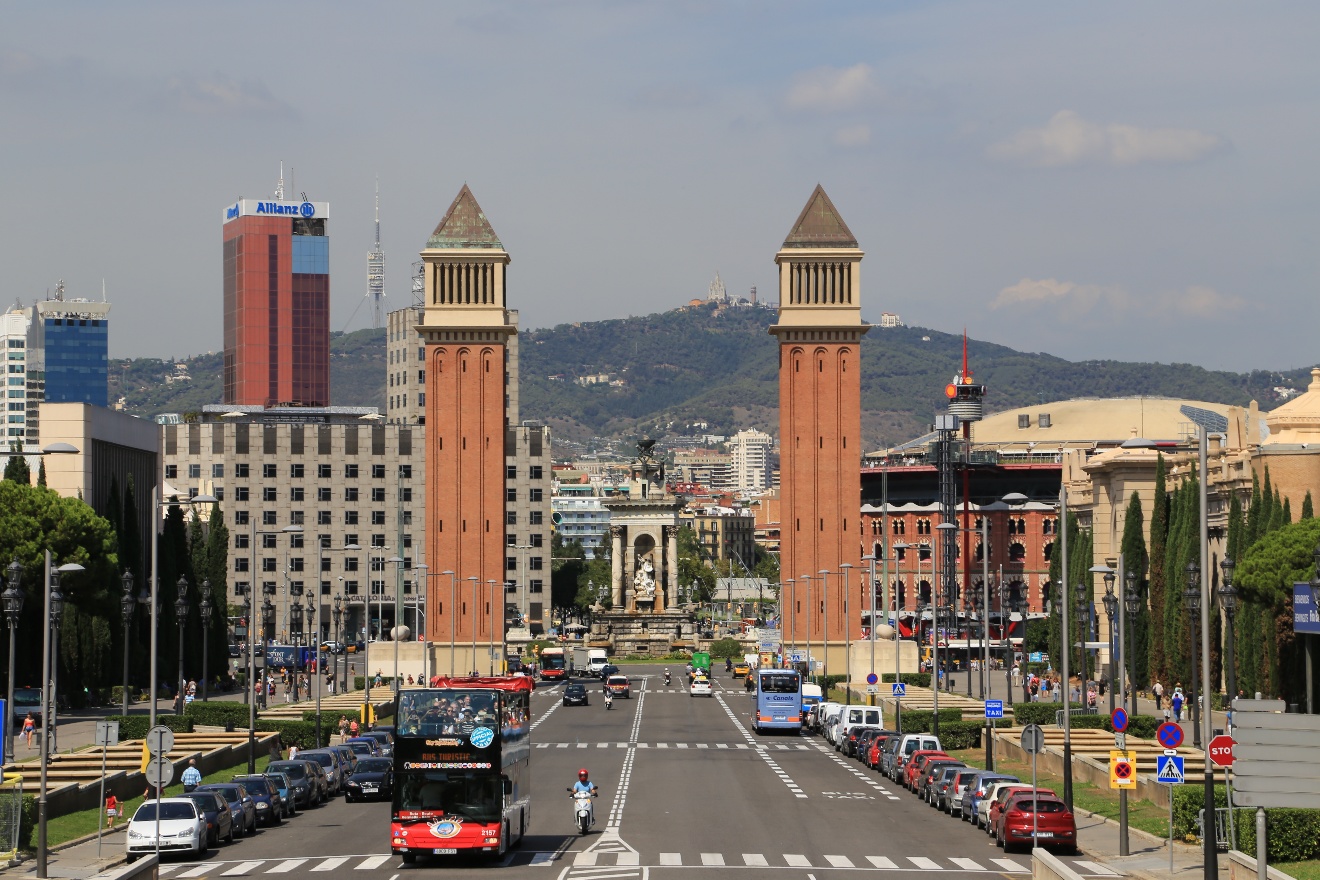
778 700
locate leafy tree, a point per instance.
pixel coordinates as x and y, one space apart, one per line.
692 568
16 469
41 474
726 648
1037 636
1308 506
1078 574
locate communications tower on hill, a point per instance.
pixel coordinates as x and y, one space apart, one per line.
376 272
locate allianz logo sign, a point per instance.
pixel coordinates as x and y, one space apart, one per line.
305 209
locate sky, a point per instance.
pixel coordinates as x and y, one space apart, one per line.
1124 180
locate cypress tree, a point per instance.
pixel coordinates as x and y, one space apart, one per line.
1254 512
1287 511
16 469
1308 506
41 476
1157 667
1136 653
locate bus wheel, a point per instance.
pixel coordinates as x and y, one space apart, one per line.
409 858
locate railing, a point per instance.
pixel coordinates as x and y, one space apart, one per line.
1221 825
1058 716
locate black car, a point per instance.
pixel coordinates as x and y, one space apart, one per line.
270 806
386 740
607 670
373 778
306 788
575 694
219 819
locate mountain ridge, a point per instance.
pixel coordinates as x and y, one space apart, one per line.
711 369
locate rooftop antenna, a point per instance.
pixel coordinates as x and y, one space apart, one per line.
279 186
376 270
102 290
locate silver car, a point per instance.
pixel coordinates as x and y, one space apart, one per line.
333 764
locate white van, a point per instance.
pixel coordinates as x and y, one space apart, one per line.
828 717
857 716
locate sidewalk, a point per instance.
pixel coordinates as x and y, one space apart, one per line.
1148 855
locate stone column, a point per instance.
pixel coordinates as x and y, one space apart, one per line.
616 567
671 569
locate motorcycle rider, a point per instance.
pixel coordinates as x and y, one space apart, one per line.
609 699
666 678
584 785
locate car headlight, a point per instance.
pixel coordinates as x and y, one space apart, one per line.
135 835
262 805
188 832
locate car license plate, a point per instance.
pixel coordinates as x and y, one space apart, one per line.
1044 833
445 851
781 717
369 788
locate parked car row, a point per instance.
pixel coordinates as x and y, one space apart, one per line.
1008 810
192 823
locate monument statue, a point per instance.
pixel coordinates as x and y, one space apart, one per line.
644 579
648 468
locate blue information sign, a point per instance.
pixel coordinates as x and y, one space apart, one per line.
1306 614
1169 769
900 689
994 708
1036 657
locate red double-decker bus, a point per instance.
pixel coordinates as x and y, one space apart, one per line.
462 780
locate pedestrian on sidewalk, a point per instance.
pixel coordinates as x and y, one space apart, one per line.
29 725
111 811
1177 702
343 728
192 777
1158 691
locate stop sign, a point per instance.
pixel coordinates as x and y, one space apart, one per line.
1221 750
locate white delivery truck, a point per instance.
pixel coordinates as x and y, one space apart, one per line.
581 661
597 660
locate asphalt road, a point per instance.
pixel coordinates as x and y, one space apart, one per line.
686 792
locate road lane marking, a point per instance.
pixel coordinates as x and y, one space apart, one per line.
967 864
286 866
242 868
797 861
760 748
924 863
839 861
671 860
712 860
373 863
330 864
200 870
882 863
1010 865
543 858
755 860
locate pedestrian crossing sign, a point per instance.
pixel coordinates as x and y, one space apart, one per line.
1169 770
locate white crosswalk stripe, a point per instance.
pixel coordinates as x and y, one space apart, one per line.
286 866
241 868
797 861
199 870
924 863
671 859
839 861
330 864
1095 868
882 863
712 860
968 864
373 863
1010 865
755 860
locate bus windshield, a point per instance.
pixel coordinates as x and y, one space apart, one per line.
780 682
552 661
476 797
431 713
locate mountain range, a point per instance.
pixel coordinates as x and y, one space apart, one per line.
713 369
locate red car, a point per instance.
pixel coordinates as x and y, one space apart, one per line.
1056 826
1002 797
916 763
873 753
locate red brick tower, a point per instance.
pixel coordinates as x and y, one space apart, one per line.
820 333
466 330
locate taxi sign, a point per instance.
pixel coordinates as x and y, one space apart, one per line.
994 708
1122 769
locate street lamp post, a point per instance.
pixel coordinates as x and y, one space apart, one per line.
1132 605
127 603
870 699
1083 599
1228 601
181 615
453 616
476 615
493 584
296 639
205 609
398 615
49 672
899 549
13 598
315 642
268 626
825 626
251 695
337 615
1192 601
1111 604
847 630
807 607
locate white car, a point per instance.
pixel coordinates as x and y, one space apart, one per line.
182 828
700 687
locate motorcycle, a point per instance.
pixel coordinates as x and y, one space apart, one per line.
584 812
666 678
609 700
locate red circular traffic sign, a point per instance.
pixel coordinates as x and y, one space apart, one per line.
1221 750
1122 769
1119 719
1169 734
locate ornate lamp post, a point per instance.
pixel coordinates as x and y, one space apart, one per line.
1132 604
315 642
1228 601
13 597
1083 601
268 627
127 603
250 697
206 610
181 606
1014 604
1192 601
337 613
1111 612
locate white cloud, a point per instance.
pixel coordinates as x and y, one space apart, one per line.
831 89
1075 299
1068 139
221 96
853 136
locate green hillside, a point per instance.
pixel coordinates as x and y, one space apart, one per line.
714 370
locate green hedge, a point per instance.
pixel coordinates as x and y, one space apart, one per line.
1139 726
1039 713
1090 722
218 714
828 682
916 679
360 682
1291 835
136 726
920 722
297 733
27 822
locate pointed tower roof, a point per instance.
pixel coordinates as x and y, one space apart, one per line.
820 226
464 226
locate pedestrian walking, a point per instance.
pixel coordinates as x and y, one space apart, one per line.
1158 691
111 811
29 725
353 727
192 777
1177 702
343 727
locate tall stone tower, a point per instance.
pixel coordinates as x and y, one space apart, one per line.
820 333
466 330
